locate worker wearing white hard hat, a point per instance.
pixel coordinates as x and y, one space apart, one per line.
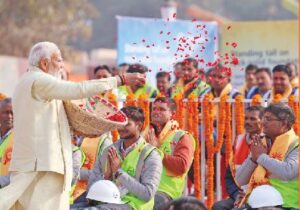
105 191
265 197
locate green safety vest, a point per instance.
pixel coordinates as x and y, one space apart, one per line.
198 91
75 149
3 146
132 165
289 190
171 185
147 89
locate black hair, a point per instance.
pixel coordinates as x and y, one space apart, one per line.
134 113
137 68
105 67
259 109
251 67
163 74
282 68
191 60
283 112
264 69
187 203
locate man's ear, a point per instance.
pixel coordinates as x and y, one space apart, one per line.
140 125
43 64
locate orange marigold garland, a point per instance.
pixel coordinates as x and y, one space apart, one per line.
113 99
221 123
180 110
197 171
190 115
143 103
239 114
130 100
277 98
295 106
208 129
228 134
256 100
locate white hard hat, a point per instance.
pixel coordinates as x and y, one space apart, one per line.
265 196
105 191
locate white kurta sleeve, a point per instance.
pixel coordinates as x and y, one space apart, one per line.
47 87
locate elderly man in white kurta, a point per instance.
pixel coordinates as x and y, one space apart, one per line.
41 165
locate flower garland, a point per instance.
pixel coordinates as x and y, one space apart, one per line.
113 99
295 106
277 98
197 169
130 100
221 124
228 134
256 100
239 114
208 129
180 110
144 104
190 115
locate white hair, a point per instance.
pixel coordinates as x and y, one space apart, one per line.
41 50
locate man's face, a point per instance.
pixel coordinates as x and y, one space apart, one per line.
253 123
131 130
160 113
162 84
280 81
178 72
6 116
250 78
56 64
272 126
264 81
102 73
218 79
189 72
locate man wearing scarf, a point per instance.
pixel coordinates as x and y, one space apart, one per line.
191 80
253 126
281 82
274 159
178 147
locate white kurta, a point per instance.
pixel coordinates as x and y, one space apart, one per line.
42 141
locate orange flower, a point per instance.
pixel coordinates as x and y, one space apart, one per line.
180 109
256 100
239 114
295 106
277 98
228 133
130 100
208 129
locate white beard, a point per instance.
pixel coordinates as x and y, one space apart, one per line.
55 72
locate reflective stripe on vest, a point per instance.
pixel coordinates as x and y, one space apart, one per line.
171 185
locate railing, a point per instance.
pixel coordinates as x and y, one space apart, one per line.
228 115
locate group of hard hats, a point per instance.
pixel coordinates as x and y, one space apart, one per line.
107 192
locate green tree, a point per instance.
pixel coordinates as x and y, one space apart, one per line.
26 22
